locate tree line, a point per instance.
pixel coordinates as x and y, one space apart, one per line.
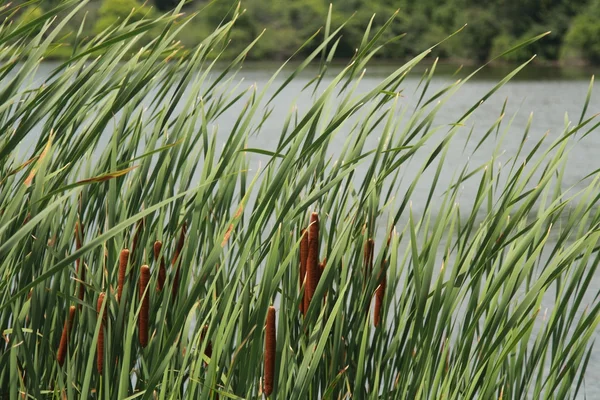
492 26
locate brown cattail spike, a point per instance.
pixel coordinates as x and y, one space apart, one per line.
180 244
312 265
270 348
64 338
123 261
162 271
145 308
379 293
100 345
303 262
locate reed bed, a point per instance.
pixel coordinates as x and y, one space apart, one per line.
452 304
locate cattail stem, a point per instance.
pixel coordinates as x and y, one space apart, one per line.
162 271
303 262
64 338
145 308
100 344
270 348
312 266
123 261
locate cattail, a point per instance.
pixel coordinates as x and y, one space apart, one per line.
303 261
162 271
176 258
270 345
145 300
80 270
100 345
368 260
123 261
312 265
64 338
379 292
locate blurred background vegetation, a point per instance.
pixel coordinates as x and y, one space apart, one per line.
493 26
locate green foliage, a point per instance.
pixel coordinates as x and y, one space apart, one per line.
117 11
29 15
503 43
482 28
490 25
107 153
583 38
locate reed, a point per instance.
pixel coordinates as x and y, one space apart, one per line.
114 136
270 349
100 343
64 338
123 263
312 265
145 305
368 260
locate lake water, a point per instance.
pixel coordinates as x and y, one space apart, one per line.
548 93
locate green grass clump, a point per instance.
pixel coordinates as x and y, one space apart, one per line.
121 151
